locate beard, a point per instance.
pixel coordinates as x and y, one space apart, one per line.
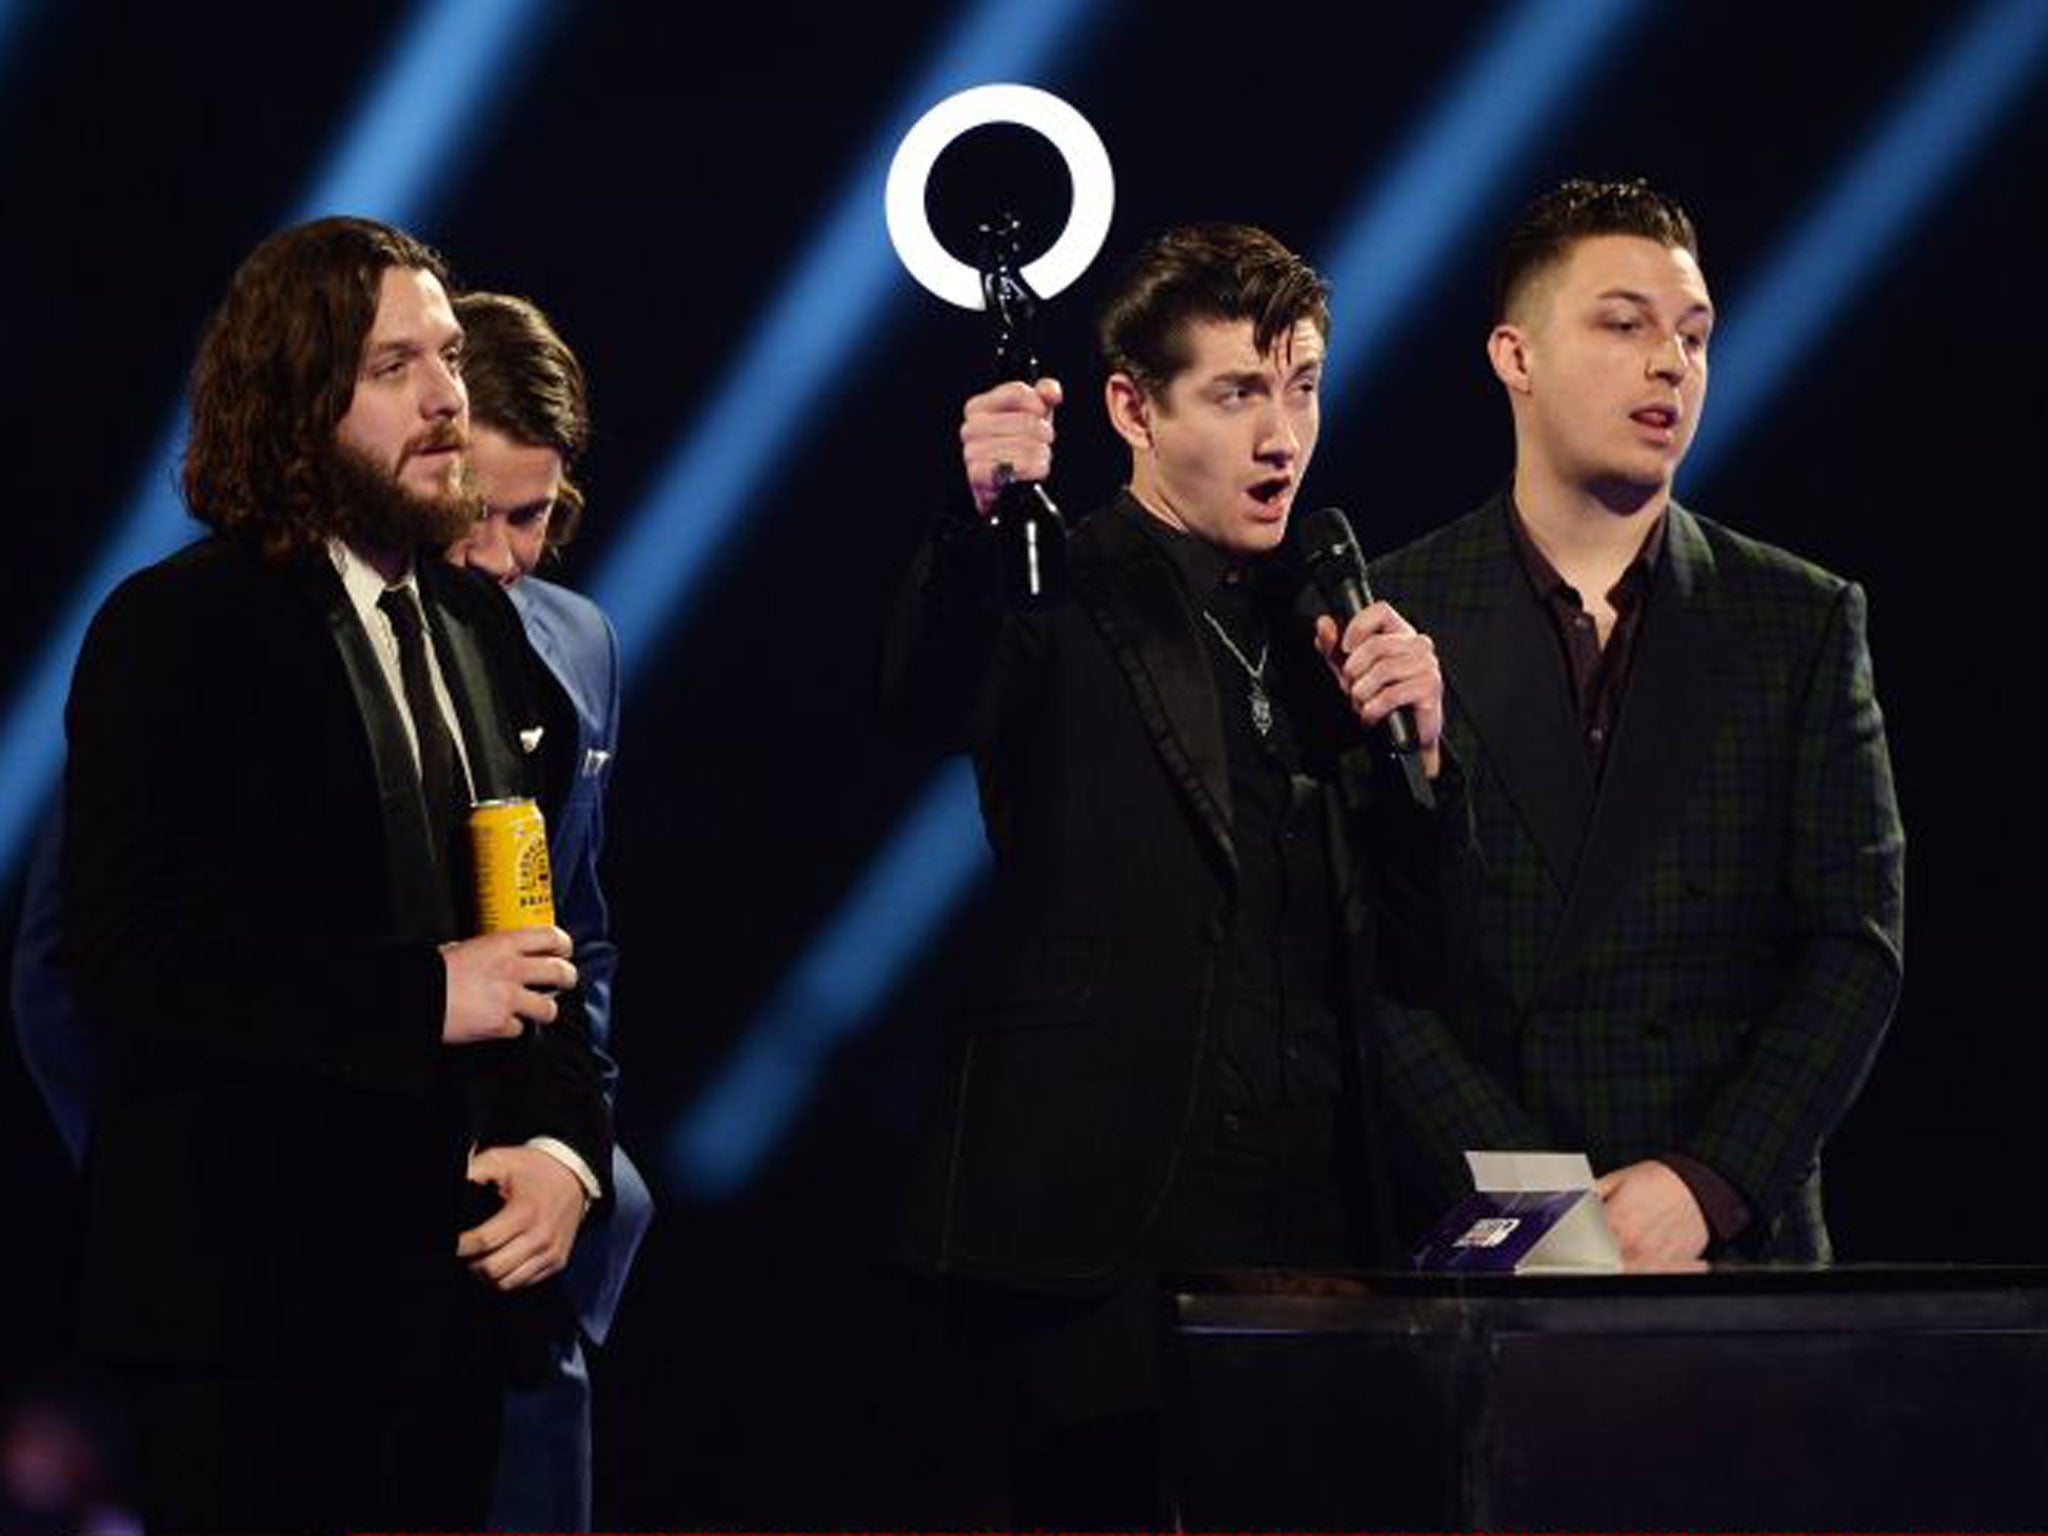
370 509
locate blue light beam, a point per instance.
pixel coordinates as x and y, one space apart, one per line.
439 90
831 301
836 295
426 104
936 856
1492 117
12 14
1942 116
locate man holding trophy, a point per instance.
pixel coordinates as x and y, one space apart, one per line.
1206 859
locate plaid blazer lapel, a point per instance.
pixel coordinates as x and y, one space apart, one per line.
1674 701
1500 665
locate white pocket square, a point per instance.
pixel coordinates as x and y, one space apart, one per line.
529 737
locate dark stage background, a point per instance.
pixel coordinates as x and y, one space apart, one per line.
653 175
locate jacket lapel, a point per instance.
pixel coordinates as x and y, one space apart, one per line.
1674 700
565 693
1131 593
1501 665
496 766
421 905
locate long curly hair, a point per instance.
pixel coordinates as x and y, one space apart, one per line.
276 372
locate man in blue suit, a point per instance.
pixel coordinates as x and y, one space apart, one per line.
529 420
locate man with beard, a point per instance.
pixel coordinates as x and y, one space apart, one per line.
311 1076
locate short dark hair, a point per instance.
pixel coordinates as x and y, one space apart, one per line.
525 382
276 372
1550 226
1204 272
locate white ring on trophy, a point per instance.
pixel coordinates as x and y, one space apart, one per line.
910 231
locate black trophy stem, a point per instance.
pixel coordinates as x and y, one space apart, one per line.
1030 533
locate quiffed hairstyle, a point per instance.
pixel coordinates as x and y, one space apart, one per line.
1549 227
524 381
1205 272
276 372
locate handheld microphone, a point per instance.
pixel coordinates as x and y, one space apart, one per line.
1330 557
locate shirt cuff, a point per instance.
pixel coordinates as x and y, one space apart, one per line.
1726 1212
570 1159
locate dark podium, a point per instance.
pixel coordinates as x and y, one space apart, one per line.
1871 1398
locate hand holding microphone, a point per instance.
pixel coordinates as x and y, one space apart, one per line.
1387 670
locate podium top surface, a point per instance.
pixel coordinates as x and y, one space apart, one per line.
1858 1297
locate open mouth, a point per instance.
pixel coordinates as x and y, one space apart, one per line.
1661 418
1268 493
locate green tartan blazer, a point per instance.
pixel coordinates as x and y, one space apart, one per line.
1697 953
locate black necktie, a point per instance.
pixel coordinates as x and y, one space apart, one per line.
440 774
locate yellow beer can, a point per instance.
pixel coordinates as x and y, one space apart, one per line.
514 886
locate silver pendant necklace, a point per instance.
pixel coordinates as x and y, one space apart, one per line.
1262 706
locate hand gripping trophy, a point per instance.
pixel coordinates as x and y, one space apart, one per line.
1030 532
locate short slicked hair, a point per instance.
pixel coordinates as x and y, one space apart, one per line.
1205 272
1549 227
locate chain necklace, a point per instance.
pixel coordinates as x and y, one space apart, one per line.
1262 706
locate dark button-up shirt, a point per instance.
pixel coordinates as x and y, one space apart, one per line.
1599 678
1259 1184
1598 674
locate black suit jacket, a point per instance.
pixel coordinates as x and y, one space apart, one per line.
1104 777
278 1160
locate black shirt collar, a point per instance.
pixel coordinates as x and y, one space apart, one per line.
1547 583
1201 565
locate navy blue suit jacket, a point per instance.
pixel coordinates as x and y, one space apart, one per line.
575 639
